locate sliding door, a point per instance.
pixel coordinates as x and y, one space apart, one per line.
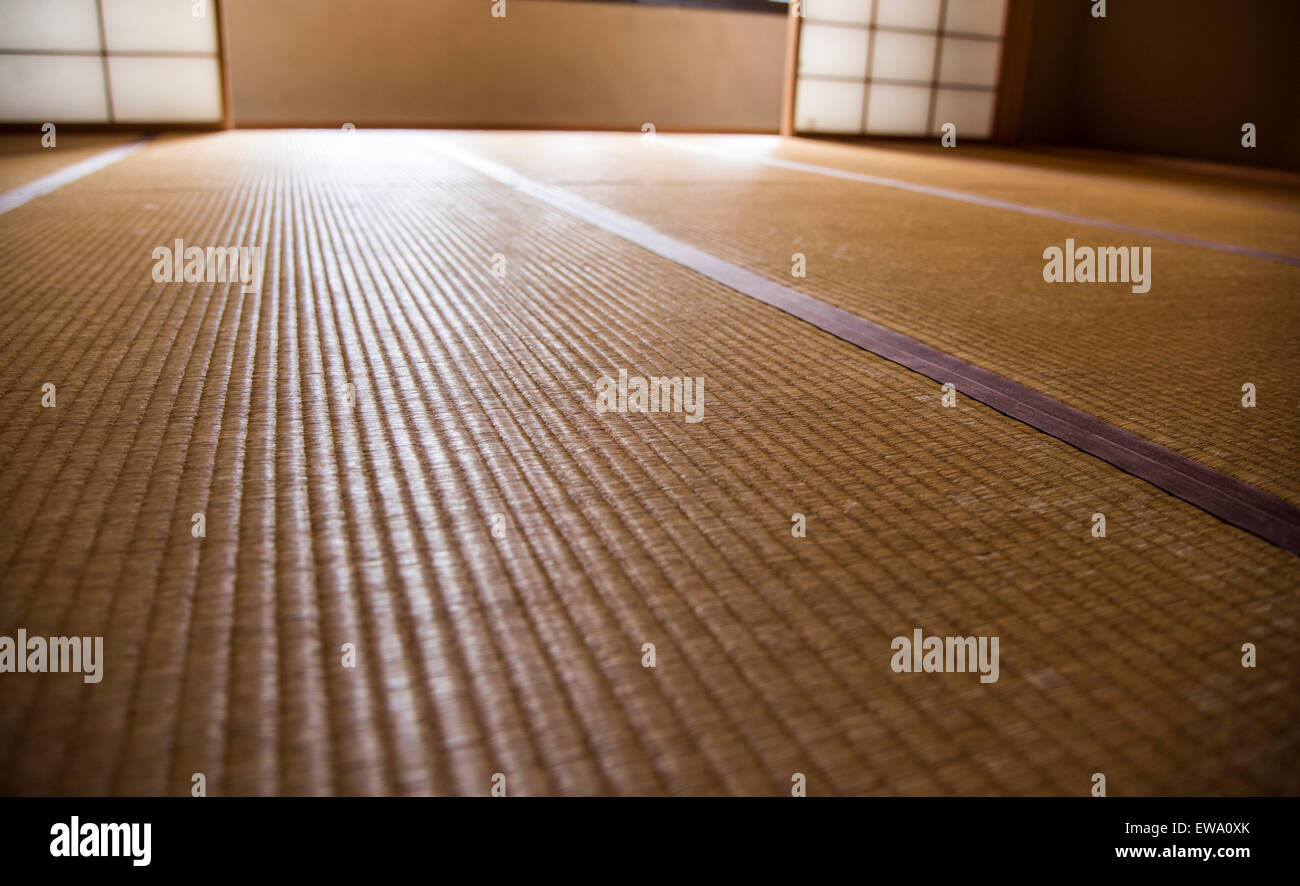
109 61
898 67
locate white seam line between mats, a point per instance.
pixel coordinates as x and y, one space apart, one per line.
68 174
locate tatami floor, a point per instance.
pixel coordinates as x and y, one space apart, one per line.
423 354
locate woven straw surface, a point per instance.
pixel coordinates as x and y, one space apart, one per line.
330 523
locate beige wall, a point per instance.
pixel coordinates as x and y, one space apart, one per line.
547 63
1167 77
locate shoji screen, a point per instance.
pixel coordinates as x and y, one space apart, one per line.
109 61
898 67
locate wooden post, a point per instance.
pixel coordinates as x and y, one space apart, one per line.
1016 35
794 19
223 64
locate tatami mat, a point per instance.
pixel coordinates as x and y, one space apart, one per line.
330 522
1168 365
